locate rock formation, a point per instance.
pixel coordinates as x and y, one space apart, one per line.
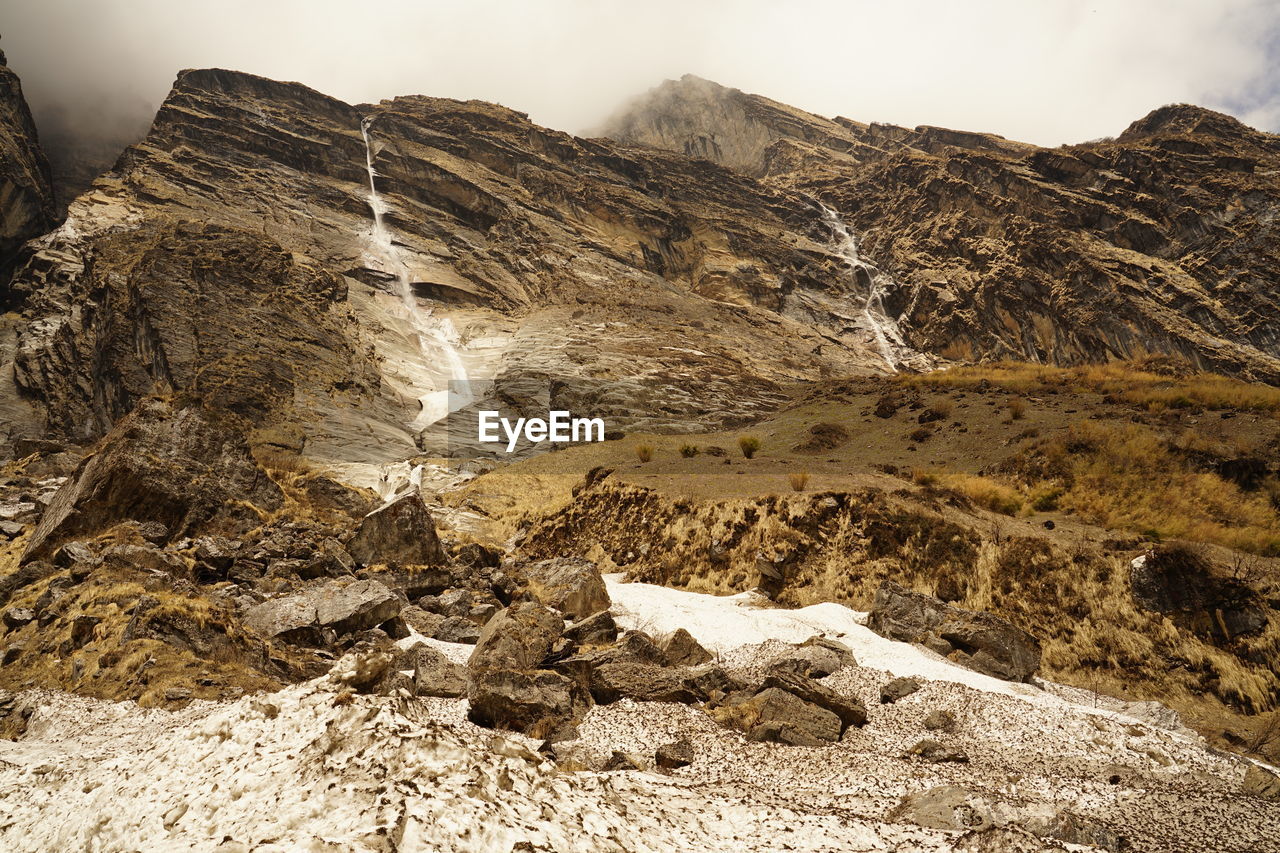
26 189
1156 241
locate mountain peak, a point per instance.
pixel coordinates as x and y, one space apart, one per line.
1185 118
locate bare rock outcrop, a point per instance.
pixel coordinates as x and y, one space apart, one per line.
980 641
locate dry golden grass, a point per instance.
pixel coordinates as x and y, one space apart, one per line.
1130 381
644 452
798 480
749 445
985 492
1127 477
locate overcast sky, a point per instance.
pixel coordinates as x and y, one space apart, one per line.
1044 71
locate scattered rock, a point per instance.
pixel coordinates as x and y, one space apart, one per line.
671 756
897 689
568 584
681 649
980 641
596 630
534 703
400 533
519 637
943 721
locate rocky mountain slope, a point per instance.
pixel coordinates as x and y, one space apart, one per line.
866 605
1159 241
499 250
26 188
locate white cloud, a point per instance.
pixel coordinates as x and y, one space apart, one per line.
1049 71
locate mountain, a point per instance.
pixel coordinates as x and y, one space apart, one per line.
504 249
26 187
1159 241
831 580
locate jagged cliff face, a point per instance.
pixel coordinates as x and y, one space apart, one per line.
1162 240
236 246
26 190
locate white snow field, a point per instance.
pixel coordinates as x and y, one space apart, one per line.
298 771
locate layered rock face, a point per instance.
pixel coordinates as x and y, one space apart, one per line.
26 189
1161 240
235 251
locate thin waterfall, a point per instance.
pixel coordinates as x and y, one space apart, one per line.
436 336
884 331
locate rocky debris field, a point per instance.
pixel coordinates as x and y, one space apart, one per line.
385 752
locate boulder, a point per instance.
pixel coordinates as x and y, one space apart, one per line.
187 468
1180 582
943 721
980 641
596 630
400 533
946 807
365 668
423 621
458 629
780 716
290 618
569 584
520 638
1262 783
849 710
671 756
431 673
681 649
643 682
357 606
534 703
16 617
898 688
23 577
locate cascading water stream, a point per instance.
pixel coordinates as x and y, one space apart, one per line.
435 336
884 330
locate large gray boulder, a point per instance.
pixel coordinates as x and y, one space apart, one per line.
400 533
780 716
290 618
519 637
534 703
980 641
340 605
569 584
356 606
643 682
